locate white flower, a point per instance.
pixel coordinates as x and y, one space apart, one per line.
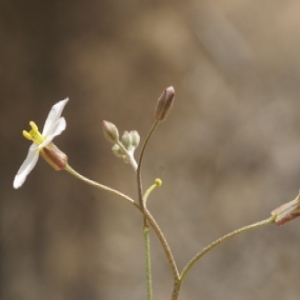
54 125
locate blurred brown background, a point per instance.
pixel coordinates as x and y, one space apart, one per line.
228 154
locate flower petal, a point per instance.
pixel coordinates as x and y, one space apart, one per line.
28 164
54 115
56 129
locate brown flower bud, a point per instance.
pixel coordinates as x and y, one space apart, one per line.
55 157
110 132
287 211
164 103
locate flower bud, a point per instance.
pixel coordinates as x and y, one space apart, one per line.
287 211
164 103
110 132
126 139
117 151
55 157
135 138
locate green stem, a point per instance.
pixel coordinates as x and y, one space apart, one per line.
211 246
148 263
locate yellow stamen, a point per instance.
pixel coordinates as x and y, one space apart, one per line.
27 135
33 126
34 134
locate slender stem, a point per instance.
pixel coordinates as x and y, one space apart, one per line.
176 289
139 177
99 186
143 209
211 246
148 263
145 230
163 242
147 214
157 183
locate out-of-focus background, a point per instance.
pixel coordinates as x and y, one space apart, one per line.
228 154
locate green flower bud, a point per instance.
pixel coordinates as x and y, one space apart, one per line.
117 151
126 139
135 138
110 132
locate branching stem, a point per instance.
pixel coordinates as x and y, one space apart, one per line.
147 214
211 246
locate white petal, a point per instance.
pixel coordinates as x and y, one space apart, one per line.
54 115
56 129
28 164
